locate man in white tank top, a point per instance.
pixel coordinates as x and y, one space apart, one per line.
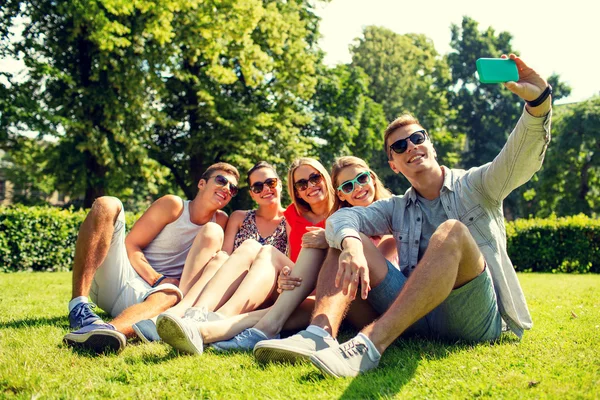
137 277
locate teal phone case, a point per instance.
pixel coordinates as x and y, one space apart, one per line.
495 70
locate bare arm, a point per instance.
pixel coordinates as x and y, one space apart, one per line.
233 227
161 213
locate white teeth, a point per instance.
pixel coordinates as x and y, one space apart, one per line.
415 158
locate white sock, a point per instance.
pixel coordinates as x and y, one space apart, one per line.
77 300
317 330
261 332
370 346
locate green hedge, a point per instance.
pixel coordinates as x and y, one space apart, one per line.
568 244
40 238
43 239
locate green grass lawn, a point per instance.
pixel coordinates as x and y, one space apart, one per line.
558 358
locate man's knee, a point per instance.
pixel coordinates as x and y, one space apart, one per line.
211 234
453 230
106 207
164 299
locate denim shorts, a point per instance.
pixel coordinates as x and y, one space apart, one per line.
469 313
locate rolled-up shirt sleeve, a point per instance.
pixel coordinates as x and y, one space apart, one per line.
374 220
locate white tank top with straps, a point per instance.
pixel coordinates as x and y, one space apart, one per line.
169 249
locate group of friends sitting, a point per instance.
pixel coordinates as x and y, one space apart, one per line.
431 262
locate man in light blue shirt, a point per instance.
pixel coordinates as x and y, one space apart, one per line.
455 281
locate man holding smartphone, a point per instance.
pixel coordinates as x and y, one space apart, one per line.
456 281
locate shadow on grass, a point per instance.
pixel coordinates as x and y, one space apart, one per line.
397 367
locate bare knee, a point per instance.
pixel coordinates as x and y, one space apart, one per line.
210 235
105 208
164 299
249 246
454 231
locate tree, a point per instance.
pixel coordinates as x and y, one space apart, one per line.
486 113
569 182
408 75
89 76
346 120
240 79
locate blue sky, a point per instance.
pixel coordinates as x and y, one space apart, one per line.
551 36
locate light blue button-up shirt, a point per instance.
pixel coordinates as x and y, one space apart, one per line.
473 197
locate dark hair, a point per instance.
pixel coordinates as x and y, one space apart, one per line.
220 166
260 165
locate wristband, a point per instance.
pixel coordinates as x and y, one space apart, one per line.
158 281
541 98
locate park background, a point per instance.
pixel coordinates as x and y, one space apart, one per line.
136 98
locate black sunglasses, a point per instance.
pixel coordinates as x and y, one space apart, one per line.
400 146
314 179
361 179
257 187
222 181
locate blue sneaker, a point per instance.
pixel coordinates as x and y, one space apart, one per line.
82 315
146 331
97 337
245 340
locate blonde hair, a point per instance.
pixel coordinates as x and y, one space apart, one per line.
301 205
403 120
349 161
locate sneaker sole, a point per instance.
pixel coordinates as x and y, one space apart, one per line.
322 367
172 333
265 354
98 341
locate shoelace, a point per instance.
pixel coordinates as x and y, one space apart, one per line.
246 333
84 311
352 349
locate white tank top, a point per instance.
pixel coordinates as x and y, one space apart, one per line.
169 249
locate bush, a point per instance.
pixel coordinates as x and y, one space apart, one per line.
43 239
40 238
567 244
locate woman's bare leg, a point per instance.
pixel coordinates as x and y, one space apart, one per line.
307 267
192 295
226 281
258 284
207 243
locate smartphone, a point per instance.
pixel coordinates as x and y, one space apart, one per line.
495 70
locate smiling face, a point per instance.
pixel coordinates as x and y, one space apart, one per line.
215 193
361 195
268 195
416 159
314 193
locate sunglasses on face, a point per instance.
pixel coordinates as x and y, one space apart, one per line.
257 187
400 146
314 179
220 180
361 179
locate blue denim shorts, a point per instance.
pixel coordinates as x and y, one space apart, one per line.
469 313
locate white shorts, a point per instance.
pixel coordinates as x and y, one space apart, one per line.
116 284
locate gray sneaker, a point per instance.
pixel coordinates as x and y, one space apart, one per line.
181 333
146 331
348 359
292 349
198 314
243 341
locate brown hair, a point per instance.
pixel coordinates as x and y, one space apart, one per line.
220 166
260 165
403 120
301 205
342 162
